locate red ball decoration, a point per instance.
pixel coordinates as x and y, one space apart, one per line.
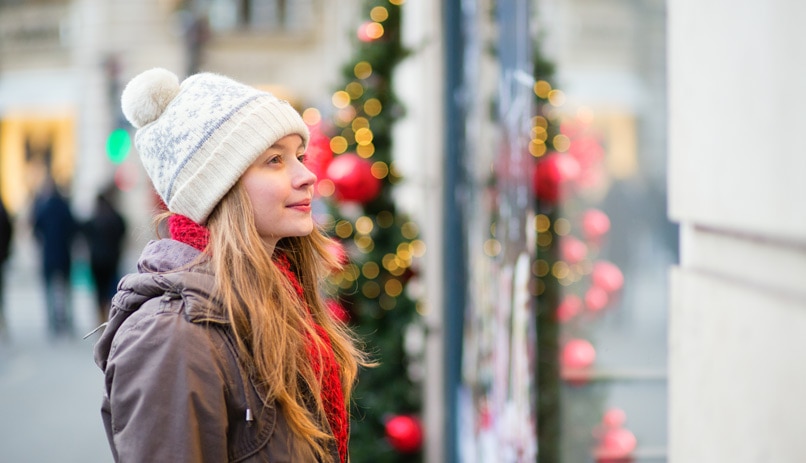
552 176
572 250
607 276
318 155
568 308
596 298
404 433
614 418
352 178
617 445
577 354
595 224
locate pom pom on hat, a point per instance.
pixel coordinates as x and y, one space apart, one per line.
196 138
147 95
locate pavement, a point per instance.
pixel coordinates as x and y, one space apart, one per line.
50 389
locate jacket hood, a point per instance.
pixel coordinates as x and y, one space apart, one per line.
166 268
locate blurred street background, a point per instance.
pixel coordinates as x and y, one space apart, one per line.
50 388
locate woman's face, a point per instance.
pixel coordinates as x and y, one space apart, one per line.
280 188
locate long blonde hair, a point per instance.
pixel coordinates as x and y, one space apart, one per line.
270 323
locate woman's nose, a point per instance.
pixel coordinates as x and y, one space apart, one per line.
304 176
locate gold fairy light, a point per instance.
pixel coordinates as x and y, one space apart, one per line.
340 99
371 270
364 225
338 144
362 70
385 219
556 98
561 143
379 170
365 151
354 89
371 289
418 248
387 302
373 107
363 136
379 14
542 88
343 229
360 123
492 247
542 223
311 116
409 230
393 287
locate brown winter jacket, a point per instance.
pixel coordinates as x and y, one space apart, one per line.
175 391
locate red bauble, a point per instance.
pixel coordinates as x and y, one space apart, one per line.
596 298
614 418
572 250
607 276
577 354
552 175
595 224
318 155
568 308
404 433
616 445
352 177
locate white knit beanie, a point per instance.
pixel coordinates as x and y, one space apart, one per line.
197 138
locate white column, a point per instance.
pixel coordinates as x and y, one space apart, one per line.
737 160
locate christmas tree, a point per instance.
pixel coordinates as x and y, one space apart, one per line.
351 153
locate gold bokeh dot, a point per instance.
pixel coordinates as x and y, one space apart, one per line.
362 70
379 170
379 14
341 99
338 144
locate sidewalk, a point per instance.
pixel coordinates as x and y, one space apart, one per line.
50 389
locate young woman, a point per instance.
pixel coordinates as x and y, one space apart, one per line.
220 348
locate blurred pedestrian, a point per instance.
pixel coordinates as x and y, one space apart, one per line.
54 229
105 232
6 234
221 344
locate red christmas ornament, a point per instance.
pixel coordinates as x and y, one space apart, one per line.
596 299
404 433
553 173
595 224
577 354
614 418
352 177
616 446
607 276
572 250
569 308
318 155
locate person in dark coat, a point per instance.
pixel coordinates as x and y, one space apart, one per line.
54 228
6 232
105 232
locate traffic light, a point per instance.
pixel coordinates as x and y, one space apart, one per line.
118 145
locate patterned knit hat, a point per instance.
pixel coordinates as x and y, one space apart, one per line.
197 138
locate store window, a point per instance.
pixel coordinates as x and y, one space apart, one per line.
280 16
602 243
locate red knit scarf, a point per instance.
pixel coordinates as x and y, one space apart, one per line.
323 362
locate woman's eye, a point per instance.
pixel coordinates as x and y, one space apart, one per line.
274 160
302 158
